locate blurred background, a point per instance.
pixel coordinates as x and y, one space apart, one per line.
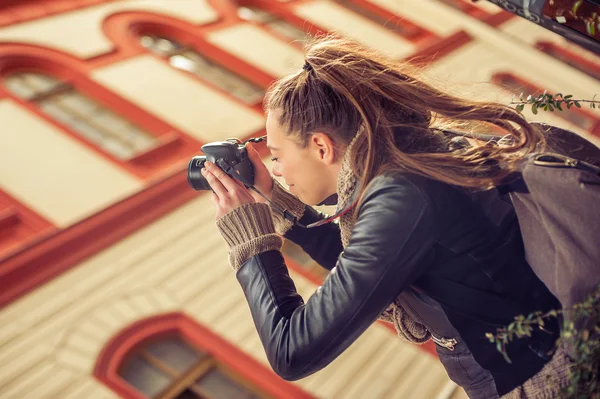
114 281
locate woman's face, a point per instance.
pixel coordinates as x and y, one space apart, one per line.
311 171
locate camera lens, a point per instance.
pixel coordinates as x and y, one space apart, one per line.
194 176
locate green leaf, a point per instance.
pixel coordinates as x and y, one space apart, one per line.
534 109
520 107
576 6
569 96
577 104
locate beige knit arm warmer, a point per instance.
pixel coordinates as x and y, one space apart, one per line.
284 199
248 231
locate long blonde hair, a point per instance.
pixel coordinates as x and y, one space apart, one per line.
344 87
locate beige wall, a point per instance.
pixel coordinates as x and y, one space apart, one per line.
258 48
179 99
58 177
339 19
80 32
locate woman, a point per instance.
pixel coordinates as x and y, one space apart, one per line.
424 242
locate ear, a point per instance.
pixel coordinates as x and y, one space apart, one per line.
324 148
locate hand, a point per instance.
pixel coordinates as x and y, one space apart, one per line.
228 193
262 178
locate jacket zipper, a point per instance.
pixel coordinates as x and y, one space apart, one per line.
447 343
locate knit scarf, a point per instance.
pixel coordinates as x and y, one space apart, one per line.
407 328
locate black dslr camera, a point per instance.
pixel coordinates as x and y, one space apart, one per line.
230 155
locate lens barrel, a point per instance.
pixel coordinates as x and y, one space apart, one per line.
194 175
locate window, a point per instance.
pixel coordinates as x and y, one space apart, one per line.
172 368
187 59
82 115
589 65
173 356
272 23
574 115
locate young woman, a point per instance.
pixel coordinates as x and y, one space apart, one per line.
425 240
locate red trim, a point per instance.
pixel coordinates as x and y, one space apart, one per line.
18 11
55 252
171 145
126 28
571 58
412 32
19 224
119 347
504 79
439 49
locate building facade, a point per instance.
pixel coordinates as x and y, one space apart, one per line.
114 281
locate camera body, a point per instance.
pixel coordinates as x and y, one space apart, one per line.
229 155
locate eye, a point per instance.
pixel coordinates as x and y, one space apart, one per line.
274 159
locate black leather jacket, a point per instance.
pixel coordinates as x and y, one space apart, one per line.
411 231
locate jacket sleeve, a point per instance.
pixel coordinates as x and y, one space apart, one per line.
323 244
389 248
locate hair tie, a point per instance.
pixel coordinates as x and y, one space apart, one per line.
307 67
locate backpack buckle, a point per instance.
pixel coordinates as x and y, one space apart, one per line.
554 161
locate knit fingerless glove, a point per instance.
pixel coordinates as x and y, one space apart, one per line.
285 200
249 231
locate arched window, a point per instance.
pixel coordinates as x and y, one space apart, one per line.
187 59
170 367
81 114
172 356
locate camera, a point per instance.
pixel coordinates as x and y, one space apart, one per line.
229 155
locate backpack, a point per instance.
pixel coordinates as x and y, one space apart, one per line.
556 198
557 202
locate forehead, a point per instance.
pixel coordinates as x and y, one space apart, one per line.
274 131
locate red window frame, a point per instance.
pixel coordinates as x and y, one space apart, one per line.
571 58
172 146
19 224
120 346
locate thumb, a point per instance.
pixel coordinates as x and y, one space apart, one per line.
253 154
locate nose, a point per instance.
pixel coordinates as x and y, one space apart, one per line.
275 170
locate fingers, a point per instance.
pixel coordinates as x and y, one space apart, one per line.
255 157
226 181
218 189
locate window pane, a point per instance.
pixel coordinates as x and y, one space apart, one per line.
144 377
175 353
41 83
273 22
19 87
287 30
215 384
94 122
